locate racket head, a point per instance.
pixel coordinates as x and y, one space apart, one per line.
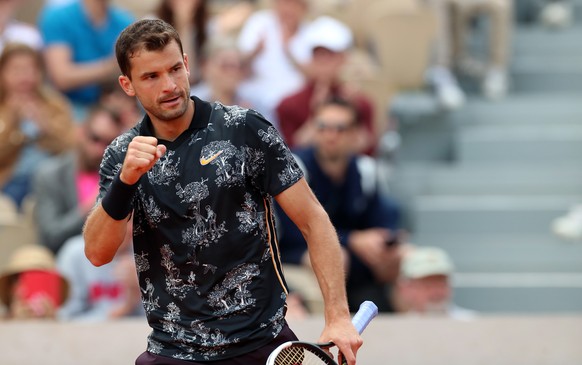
299 353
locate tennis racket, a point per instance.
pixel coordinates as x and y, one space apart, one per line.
308 353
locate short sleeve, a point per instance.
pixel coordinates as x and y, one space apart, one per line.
270 164
53 29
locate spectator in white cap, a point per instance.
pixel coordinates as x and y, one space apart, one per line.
272 41
424 285
330 42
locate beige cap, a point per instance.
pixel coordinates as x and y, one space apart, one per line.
426 261
26 258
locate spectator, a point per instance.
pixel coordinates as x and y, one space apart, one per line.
569 225
113 97
556 14
58 2
35 122
330 41
451 49
79 51
99 293
30 285
273 44
495 79
13 31
440 75
194 23
345 183
424 288
66 187
230 16
222 75
190 18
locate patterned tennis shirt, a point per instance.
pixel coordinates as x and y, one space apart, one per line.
204 235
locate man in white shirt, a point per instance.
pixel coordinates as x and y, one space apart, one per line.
272 41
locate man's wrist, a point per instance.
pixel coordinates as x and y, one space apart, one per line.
118 201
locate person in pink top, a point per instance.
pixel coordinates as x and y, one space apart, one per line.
65 188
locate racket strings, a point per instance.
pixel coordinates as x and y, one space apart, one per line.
295 355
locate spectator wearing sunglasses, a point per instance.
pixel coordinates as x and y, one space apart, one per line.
65 188
345 183
223 72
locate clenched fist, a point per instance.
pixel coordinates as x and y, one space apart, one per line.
142 154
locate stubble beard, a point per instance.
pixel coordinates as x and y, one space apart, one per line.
170 115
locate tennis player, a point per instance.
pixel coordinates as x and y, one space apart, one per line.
199 179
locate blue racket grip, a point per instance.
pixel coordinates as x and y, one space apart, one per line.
367 311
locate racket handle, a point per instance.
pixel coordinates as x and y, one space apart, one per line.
367 311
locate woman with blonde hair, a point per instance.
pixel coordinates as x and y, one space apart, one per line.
35 122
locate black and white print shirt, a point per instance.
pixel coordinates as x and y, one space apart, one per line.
204 234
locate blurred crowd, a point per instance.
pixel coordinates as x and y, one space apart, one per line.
323 72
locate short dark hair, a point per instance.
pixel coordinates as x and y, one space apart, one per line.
148 34
340 101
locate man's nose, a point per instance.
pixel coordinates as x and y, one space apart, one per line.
169 83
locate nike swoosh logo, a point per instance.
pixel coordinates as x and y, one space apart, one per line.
206 161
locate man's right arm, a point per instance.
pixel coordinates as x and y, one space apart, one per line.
103 236
303 208
106 225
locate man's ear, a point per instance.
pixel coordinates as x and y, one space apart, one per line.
126 85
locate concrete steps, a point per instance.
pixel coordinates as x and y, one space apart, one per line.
514 166
519 299
542 60
505 181
490 179
546 60
521 252
487 214
534 109
544 144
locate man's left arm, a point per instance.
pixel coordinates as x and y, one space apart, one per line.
303 208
